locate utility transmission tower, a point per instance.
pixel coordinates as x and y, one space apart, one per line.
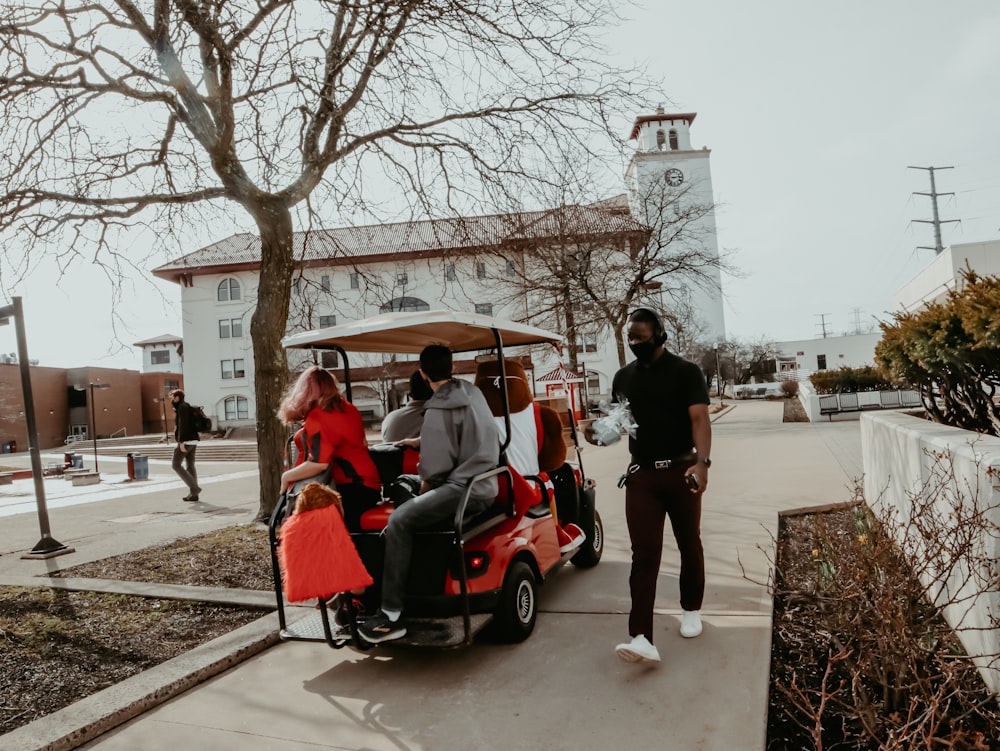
822 323
936 221
856 318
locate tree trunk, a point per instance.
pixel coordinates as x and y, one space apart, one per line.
620 346
267 327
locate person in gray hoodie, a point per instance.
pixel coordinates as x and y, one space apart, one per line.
458 440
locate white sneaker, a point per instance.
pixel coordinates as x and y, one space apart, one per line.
691 624
638 650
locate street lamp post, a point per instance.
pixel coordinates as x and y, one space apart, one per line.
162 401
47 546
718 375
93 413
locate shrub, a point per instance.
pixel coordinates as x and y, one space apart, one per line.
849 380
950 351
790 388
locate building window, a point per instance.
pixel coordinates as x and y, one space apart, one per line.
324 282
404 304
480 270
402 279
484 308
586 343
511 269
236 408
673 140
661 139
449 272
229 289
355 280
231 328
328 359
159 357
327 321
233 369
593 383
820 362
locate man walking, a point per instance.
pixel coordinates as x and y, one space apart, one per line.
666 478
458 440
186 435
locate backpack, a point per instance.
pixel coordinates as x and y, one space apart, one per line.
202 423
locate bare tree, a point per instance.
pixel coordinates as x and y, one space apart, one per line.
597 263
678 256
120 113
547 270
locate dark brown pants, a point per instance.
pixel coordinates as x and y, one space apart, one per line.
650 496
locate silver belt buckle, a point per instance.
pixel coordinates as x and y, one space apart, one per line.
662 464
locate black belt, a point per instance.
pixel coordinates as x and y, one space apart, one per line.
688 458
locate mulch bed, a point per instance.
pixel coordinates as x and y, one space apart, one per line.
836 631
57 647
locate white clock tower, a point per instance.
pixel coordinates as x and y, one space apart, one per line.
670 188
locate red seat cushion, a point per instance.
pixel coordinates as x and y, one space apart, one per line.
526 494
375 519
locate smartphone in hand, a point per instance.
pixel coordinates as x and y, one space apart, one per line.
692 482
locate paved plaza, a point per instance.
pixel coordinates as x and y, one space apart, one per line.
563 688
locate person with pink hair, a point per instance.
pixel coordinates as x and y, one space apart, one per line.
333 436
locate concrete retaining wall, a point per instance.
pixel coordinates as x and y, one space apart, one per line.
908 460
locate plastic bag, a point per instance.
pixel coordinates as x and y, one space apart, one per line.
608 429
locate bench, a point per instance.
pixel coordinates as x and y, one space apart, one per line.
889 399
81 477
832 404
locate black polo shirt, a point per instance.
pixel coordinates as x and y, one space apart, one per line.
659 395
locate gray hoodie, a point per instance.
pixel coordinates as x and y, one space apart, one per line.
459 439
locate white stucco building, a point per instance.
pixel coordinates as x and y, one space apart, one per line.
354 272
944 273
470 263
827 353
162 354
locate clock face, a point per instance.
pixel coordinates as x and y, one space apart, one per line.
674 177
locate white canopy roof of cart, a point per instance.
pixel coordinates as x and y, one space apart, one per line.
409 333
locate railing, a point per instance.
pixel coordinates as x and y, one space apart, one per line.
120 433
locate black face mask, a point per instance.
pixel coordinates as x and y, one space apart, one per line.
644 351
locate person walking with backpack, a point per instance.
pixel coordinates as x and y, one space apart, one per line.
186 435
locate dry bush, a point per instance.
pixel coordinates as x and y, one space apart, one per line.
861 657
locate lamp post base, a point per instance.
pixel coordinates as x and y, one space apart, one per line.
47 547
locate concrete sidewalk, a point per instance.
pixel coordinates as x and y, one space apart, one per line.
561 689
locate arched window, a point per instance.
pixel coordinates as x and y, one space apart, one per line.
229 289
236 408
661 139
405 305
673 140
359 391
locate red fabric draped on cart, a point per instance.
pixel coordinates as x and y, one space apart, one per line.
317 557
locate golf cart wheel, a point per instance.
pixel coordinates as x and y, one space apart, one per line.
592 549
515 616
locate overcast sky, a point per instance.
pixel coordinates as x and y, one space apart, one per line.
813 113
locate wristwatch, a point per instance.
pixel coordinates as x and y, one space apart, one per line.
706 461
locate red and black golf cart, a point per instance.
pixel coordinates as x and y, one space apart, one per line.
478 570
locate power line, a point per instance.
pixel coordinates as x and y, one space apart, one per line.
936 221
